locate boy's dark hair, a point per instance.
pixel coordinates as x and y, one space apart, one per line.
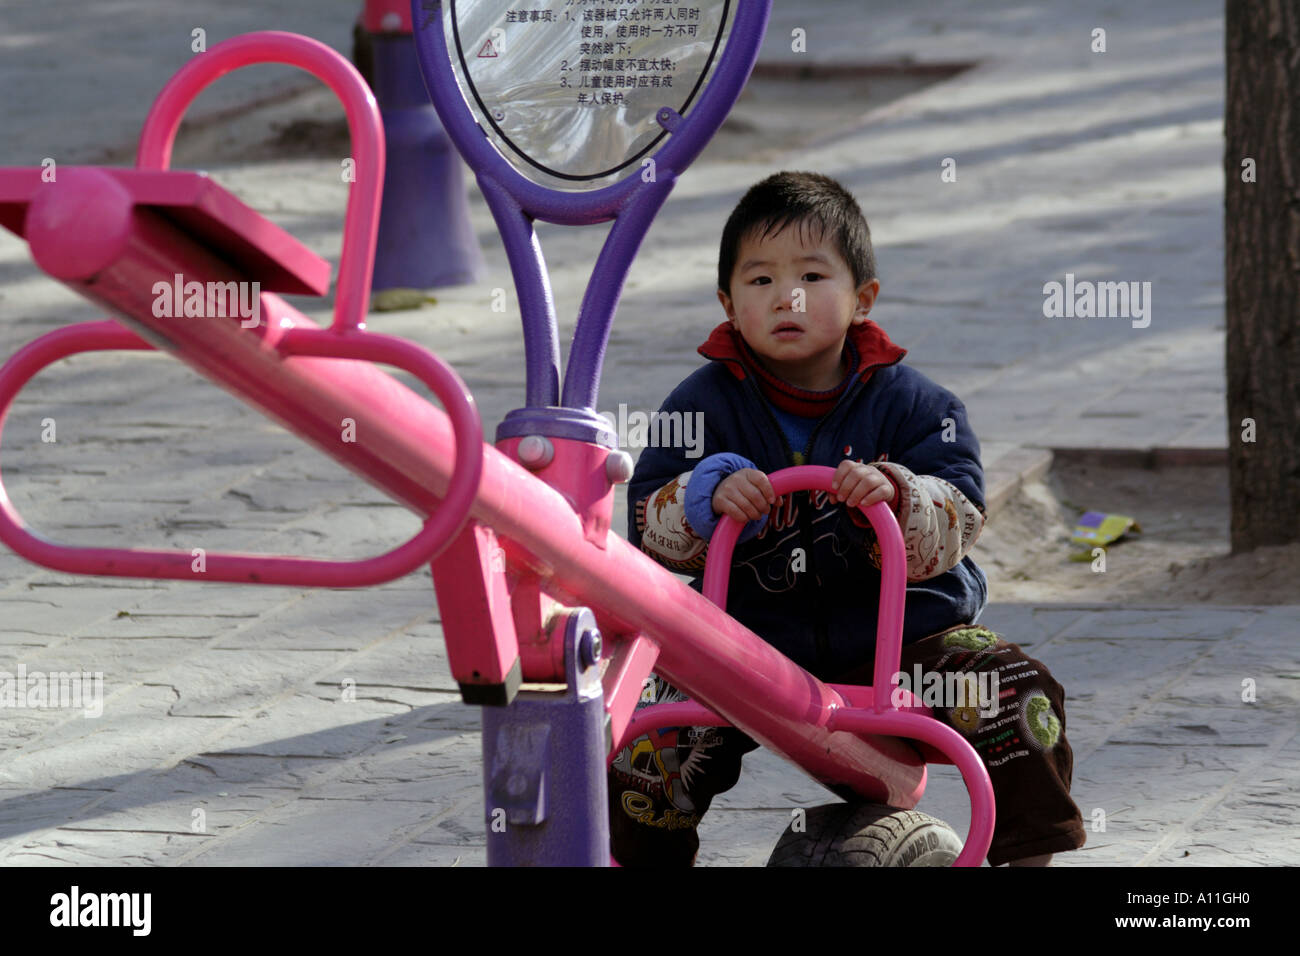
802 199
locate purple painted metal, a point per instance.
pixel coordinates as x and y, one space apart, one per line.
515 200
598 205
532 285
546 802
425 235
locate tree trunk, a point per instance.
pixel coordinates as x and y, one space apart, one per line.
1262 275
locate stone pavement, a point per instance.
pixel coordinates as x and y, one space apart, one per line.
238 701
225 712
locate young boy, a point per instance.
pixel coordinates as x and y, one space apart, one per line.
799 375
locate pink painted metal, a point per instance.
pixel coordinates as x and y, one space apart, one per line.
577 471
361 222
120 236
893 571
113 198
386 16
405 446
438 530
474 601
629 666
541 653
904 723
860 709
859 716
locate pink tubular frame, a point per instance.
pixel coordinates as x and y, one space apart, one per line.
437 533
361 221
523 540
862 711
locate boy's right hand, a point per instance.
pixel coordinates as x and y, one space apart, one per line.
745 495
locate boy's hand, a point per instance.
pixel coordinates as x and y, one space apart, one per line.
856 484
745 495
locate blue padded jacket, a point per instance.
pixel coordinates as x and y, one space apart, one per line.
818 607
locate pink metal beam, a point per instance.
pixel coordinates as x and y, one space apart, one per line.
865 716
361 225
405 445
435 536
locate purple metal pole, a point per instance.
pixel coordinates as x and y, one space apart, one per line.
533 286
591 335
546 799
638 200
425 235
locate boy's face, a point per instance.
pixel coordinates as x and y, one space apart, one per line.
793 301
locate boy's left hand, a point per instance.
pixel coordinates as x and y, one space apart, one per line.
856 484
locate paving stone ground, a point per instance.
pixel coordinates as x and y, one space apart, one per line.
275 726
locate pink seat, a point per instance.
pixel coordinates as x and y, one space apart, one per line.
192 201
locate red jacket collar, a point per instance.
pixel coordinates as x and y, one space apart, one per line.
872 344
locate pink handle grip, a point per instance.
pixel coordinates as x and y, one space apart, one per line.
893 570
361 222
860 721
436 534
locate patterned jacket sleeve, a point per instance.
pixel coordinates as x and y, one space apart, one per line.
940 524
656 495
659 526
938 490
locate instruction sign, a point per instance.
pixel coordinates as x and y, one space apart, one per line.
568 90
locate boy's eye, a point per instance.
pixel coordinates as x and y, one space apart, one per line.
759 280
811 276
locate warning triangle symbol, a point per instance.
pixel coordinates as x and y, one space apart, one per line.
487 49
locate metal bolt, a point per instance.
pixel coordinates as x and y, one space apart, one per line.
536 452
618 467
589 646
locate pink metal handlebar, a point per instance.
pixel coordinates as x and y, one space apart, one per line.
866 710
857 718
893 570
438 531
954 746
361 222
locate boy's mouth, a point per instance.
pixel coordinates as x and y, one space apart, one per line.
787 330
